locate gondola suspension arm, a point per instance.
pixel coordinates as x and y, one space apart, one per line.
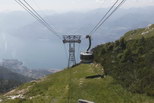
89 38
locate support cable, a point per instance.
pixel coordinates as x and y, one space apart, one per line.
104 16
109 16
39 16
33 13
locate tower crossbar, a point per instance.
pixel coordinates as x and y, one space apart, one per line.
71 40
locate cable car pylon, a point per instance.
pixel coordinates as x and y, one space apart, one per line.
71 40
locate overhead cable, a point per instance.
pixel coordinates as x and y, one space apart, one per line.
107 16
104 16
36 15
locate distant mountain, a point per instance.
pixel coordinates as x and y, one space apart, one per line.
13 74
9 19
10 80
32 43
81 23
18 67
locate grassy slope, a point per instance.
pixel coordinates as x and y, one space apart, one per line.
54 88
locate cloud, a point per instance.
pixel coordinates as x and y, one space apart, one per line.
128 3
71 5
139 3
104 1
100 1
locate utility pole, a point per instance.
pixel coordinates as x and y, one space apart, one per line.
71 40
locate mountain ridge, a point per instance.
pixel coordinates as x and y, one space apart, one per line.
139 33
17 66
10 80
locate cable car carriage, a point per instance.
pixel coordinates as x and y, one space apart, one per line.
87 57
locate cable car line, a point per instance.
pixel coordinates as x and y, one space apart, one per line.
109 15
104 19
87 57
43 22
38 15
104 16
33 13
41 18
29 11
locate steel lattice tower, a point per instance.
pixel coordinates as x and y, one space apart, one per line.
72 40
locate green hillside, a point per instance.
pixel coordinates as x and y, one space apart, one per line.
55 88
130 60
138 33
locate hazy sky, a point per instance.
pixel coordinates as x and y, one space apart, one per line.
70 5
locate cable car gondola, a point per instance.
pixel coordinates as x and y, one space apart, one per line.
87 57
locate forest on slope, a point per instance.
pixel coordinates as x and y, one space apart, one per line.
130 60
